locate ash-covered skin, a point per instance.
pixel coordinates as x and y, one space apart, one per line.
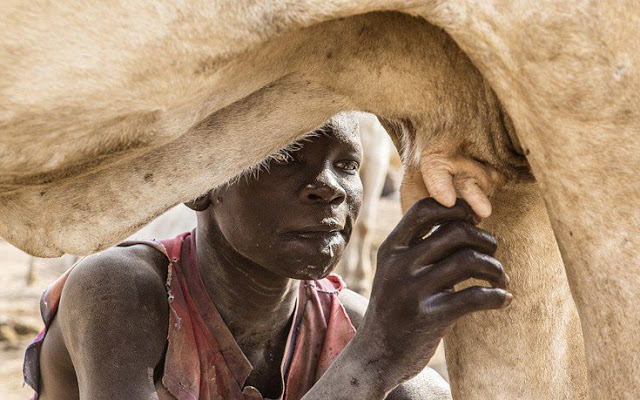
304 204
289 221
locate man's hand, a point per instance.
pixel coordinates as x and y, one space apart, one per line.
412 302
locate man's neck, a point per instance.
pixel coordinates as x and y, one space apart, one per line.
256 304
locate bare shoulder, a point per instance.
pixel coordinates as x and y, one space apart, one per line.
127 280
428 384
114 306
111 274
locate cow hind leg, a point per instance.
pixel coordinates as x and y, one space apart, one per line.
533 348
590 186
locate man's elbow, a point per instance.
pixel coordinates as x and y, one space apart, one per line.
428 384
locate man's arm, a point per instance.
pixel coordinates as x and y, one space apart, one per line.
113 317
427 384
413 303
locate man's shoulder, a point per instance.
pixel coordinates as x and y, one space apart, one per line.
111 269
114 304
120 283
113 318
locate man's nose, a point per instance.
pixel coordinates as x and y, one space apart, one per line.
323 189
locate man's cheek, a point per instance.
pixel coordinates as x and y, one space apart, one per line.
354 208
354 193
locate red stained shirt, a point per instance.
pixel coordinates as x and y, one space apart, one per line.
203 360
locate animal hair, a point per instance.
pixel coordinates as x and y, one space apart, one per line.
253 172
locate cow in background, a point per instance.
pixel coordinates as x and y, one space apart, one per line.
173 222
380 160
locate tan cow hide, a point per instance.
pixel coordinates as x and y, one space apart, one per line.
111 113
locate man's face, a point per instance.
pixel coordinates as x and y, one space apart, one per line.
296 219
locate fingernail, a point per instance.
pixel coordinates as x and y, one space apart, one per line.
507 280
507 299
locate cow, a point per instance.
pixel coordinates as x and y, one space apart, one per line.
379 158
106 107
170 224
173 222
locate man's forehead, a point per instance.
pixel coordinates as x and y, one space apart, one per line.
345 128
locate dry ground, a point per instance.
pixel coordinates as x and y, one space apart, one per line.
19 308
19 304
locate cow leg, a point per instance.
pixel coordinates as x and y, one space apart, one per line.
590 185
376 149
356 264
568 77
533 348
350 264
364 269
31 271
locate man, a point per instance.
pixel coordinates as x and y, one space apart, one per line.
248 312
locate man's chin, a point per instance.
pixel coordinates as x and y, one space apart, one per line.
313 270
307 262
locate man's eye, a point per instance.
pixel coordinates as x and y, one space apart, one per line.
348 165
280 158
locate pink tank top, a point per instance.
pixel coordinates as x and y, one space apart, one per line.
203 360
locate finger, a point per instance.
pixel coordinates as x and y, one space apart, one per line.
425 214
463 265
470 190
476 298
450 238
412 189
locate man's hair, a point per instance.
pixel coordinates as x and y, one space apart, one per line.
340 121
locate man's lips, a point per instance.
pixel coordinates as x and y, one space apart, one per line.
333 227
314 234
326 228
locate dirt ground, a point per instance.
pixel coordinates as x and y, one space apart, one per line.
19 315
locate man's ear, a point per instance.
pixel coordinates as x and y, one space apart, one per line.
201 203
